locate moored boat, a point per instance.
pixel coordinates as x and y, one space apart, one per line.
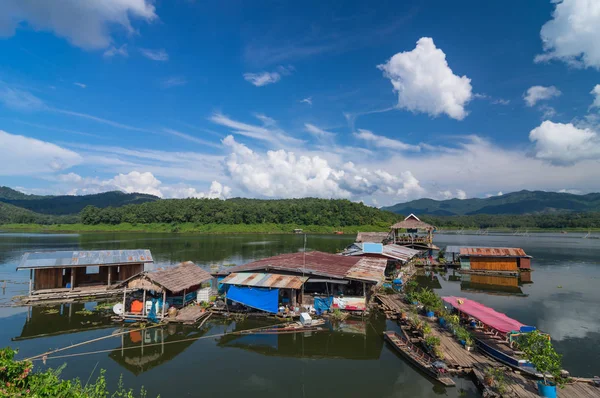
417 357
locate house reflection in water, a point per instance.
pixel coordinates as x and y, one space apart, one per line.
45 321
351 339
493 284
142 350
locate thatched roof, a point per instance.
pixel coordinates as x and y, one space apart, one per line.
373 237
174 279
412 222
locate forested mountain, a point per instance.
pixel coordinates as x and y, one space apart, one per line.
70 204
10 214
522 202
307 211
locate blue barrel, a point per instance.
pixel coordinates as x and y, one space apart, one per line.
429 314
546 390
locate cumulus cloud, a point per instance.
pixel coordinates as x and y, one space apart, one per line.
425 83
140 182
540 93
596 93
283 174
28 156
448 194
572 34
384 142
85 24
155 55
564 144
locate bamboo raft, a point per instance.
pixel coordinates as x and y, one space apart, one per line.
417 357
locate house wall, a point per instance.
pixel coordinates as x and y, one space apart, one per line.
493 264
524 263
50 278
127 271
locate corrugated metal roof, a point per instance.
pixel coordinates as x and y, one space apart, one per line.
375 248
368 269
65 259
453 249
398 252
265 280
309 263
492 252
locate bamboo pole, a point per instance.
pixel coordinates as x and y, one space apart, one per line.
30 281
164 303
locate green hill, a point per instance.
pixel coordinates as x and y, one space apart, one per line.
522 202
70 204
10 214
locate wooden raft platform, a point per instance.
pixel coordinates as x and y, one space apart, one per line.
189 315
66 295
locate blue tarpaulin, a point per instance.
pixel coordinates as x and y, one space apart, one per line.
323 304
255 297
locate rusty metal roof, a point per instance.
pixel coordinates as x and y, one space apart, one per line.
398 252
492 252
67 259
368 269
315 263
265 280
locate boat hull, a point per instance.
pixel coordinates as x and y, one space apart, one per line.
506 359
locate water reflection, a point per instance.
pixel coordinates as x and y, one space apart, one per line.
475 283
142 350
351 339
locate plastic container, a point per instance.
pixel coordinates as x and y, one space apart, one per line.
442 321
546 390
429 314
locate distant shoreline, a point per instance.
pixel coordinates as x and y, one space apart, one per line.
249 228
194 228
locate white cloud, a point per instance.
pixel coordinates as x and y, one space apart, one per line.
448 194
596 93
173 81
191 138
384 142
19 100
548 112
155 55
572 35
86 24
269 132
319 132
571 191
140 182
28 156
80 84
564 144
540 93
460 194
425 83
262 78
307 100
283 174
113 51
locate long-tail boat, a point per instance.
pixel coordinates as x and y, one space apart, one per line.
417 357
495 333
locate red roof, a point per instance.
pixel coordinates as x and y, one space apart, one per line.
486 315
492 252
323 264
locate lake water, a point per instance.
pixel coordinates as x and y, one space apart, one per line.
351 360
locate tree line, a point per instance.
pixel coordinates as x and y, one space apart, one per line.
307 211
543 220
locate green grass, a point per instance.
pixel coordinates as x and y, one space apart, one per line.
193 228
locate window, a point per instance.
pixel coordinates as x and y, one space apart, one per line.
91 270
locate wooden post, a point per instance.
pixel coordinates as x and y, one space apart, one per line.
30 281
144 301
109 272
124 292
364 290
73 278
164 303
183 299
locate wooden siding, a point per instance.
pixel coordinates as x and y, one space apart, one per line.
127 271
50 278
493 264
511 281
525 263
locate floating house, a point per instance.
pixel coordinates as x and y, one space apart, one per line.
147 294
413 233
500 260
69 274
391 252
322 281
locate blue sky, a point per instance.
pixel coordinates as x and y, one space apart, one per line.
381 103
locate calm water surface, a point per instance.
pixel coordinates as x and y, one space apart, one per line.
350 360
